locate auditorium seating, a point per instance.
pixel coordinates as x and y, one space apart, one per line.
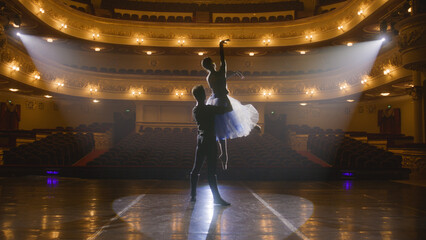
55 150
157 147
347 153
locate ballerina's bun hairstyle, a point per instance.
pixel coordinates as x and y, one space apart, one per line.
199 93
207 63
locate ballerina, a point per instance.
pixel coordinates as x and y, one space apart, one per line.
234 124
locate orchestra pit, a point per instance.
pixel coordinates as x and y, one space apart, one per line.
101 136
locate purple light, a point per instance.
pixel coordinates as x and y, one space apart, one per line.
52 182
347 185
347 174
52 172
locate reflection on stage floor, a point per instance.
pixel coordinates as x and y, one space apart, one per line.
37 207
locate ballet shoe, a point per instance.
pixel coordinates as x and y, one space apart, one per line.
220 201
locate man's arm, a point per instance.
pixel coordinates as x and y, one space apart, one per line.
222 109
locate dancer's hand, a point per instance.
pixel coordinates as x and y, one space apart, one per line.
224 41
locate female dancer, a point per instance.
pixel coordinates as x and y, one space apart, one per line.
237 123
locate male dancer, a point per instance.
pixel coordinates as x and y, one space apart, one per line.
204 115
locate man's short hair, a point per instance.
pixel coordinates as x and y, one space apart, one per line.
199 92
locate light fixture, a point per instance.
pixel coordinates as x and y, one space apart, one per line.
41 10
310 92
15 68
267 94
37 77
361 13
341 28
343 86
97 49
92 90
179 94
95 100
302 52
18 34
181 42
266 42
95 35
308 37
13 89
350 100
384 94
251 54
349 44
200 53
409 9
59 84
49 40
47 96
139 40
63 26
303 104
364 80
386 71
148 52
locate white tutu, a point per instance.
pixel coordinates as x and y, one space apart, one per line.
237 123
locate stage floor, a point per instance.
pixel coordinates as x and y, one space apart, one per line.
38 207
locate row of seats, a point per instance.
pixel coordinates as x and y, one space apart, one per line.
176 148
194 7
305 129
184 72
279 18
93 127
347 153
56 150
152 18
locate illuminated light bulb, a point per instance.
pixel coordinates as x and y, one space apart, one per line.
181 93
97 49
139 40
41 10
37 77
181 42
251 54
385 94
350 100
308 37
139 93
133 93
15 68
340 27
386 71
177 94
360 12
269 93
264 93
266 41
18 34
307 92
63 25
13 89
312 91
303 104
349 44
148 52
303 52
47 96
49 40
200 53
409 9
95 100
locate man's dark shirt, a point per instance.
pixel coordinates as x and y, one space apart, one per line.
205 116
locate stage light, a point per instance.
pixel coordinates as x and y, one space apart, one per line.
13 89
383 39
384 94
18 34
47 96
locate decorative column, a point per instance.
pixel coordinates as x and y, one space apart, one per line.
412 45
